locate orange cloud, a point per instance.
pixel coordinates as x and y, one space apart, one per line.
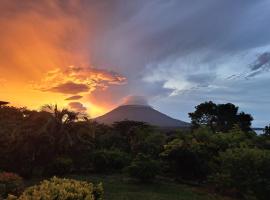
2 81
38 40
33 42
76 97
75 80
77 107
69 88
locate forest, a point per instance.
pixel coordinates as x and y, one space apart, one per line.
219 153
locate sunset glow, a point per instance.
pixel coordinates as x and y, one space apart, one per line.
91 55
43 60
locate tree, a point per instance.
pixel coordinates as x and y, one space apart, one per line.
144 168
127 135
246 171
60 127
220 117
266 130
187 158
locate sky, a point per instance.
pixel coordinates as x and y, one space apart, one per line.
91 55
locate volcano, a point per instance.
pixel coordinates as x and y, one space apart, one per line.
143 113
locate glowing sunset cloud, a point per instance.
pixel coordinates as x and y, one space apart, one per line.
41 49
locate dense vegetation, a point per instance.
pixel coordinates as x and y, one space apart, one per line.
220 151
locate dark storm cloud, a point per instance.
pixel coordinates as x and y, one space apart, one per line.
167 29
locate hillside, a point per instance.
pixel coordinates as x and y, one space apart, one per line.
140 113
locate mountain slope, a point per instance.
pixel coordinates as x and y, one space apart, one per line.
140 113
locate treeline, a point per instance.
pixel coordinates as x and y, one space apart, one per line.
220 151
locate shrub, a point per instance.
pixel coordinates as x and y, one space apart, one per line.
187 159
110 160
245 171
60 166
10 183
151 144
144 168
63 189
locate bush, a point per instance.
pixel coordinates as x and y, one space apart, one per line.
63 189
245 171
187 159
144 168
109 160
151 144
60 166
10 183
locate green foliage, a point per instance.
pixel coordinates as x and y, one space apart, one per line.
185 159
244 170
34 139
60 166
151 144
144 168
109 160
263 141
10 183
133 134
220 117
233 139
53 141
132 137
63 189
194 156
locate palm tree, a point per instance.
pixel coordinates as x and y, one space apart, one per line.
60 127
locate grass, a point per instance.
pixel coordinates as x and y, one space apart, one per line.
121 188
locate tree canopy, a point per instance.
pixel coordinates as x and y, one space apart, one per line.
220 117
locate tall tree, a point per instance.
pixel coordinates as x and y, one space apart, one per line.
220 117
61 127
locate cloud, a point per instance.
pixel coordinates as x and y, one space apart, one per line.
261 65
69 88
2 82
76 80
76 97
135 100
262 60
77 107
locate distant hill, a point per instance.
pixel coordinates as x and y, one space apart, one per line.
142 113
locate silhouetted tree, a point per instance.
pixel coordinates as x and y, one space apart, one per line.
61 127
266 130
220 117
